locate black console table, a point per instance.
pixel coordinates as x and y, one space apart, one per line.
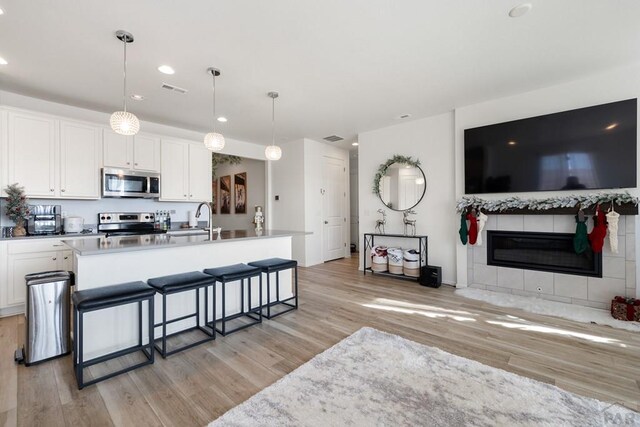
369 242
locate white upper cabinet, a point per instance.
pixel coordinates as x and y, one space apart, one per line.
141 152
80 158
173 171
199 173
32 153
53 158
117 150
146 152
185 171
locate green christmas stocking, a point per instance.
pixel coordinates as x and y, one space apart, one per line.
464 231
581 240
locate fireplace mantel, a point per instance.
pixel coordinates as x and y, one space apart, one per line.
623 209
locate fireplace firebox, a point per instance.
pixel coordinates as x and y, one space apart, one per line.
541 251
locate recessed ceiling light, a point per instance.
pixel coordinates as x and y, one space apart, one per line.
3 61
165 69
355 144
137 97
612 126
512 143
520 10
222 119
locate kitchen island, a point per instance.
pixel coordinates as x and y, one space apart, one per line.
103 261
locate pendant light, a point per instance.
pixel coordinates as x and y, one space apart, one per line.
273 152
214 141
124 122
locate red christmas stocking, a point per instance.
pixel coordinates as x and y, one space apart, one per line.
473 228
599 232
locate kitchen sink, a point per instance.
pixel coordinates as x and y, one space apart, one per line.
187 232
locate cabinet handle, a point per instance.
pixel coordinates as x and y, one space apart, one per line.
66 257
58 245
128 163
190 195
184 195
51 190
54 258
135 164
63 190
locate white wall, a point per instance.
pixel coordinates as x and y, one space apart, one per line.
613 85
287 183
354 234
431 141
297 179
256 194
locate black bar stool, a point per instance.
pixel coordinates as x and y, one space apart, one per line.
107 297
233 273
183 282
276 265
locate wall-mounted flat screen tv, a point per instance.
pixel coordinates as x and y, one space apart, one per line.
587 148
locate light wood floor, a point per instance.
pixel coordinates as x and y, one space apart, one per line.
196 386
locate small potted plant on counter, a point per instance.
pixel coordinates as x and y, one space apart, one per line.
17 209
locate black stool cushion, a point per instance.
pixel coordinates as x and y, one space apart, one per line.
271 264
230 273
110 296
182 281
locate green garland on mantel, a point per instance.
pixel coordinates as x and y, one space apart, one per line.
382 169
501 205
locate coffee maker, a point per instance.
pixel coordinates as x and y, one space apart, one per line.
44 219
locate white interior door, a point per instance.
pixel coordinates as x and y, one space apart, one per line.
408 191
333 209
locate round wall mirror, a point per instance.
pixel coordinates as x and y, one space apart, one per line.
402 186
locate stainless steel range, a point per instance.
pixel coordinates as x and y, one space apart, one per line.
127 223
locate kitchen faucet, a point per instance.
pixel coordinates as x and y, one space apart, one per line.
208 205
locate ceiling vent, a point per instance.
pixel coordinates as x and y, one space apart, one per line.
174 88
333 138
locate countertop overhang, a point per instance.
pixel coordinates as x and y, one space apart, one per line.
107 245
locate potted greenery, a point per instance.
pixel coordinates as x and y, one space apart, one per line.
17 209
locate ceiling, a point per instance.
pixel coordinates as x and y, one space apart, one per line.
341 67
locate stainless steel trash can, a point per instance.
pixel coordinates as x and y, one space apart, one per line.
47 317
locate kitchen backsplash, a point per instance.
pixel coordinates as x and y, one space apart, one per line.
89 209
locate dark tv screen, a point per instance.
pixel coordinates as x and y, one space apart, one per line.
588 148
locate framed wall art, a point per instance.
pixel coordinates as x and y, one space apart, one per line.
214 196
225 194
240 192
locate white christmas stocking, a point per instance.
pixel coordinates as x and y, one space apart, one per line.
612 220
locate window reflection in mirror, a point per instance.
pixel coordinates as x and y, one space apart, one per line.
402 187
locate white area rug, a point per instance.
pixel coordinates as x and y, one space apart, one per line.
376 379
550 308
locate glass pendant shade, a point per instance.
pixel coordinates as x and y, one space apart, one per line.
214 141
124 123
273 152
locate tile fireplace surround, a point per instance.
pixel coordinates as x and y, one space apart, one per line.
618 270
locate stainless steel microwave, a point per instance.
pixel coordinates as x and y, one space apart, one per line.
130 183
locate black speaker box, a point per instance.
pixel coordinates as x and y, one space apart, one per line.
431 276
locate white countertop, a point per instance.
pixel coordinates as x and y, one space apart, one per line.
106 245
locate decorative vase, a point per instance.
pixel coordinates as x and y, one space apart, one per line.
19 229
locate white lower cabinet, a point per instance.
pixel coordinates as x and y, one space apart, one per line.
28 257
22 264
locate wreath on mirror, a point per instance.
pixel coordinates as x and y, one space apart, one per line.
382 169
